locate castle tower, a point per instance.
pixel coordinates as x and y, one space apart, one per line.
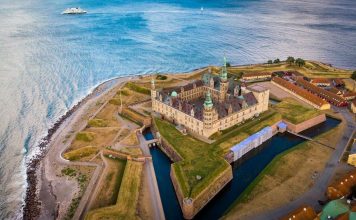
208 112
153 95
224 84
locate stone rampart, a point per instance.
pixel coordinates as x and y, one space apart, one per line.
191 206
296 128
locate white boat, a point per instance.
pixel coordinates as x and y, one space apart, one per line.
71 11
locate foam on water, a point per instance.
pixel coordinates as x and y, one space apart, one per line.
48 61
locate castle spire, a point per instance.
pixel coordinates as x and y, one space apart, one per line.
208 103
223 75
153 87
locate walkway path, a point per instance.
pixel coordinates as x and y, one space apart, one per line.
310 139
152 181
317 192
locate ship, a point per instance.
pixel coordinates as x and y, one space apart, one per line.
72 11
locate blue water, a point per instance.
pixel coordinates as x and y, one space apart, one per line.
148 134
49 61
243 173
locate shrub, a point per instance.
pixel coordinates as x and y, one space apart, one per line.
123 92
80 153
84 136
115 101
161 77
96 122
68 171
139 89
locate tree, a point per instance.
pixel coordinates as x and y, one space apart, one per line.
290 60
276 61
269 62
353 76
228 64
300 62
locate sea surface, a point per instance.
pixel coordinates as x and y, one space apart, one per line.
49 61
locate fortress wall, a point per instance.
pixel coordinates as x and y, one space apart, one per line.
191 206
296 128
165 146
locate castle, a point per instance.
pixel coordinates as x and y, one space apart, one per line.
211 104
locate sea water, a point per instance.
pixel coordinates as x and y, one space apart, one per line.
49 61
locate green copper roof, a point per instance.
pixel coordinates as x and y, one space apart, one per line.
174 94
334 208
223 75
208 102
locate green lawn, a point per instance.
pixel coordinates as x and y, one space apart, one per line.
84 136
294 112
199 158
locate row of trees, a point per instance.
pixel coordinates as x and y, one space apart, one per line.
290 60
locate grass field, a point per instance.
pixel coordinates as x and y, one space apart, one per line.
96 137
109 188
80 153
127 200
199 158
294 112
108 116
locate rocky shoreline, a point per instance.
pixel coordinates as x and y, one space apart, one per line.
31 208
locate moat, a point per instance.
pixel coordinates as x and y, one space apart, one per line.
244 172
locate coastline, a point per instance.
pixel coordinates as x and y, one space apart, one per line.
37 181
34 178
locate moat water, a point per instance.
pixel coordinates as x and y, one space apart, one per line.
244 172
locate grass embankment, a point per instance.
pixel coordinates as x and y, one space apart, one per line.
292 111
85 136
109 188
126 204
97 123
311 69
80 153
133 116
130 95
130 140
199 158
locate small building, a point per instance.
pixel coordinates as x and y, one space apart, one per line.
301 93
338 83
259 76
335 209
323 82
282 127
324 94
251 142
352 155
349 96
336 91
353 106
301 213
